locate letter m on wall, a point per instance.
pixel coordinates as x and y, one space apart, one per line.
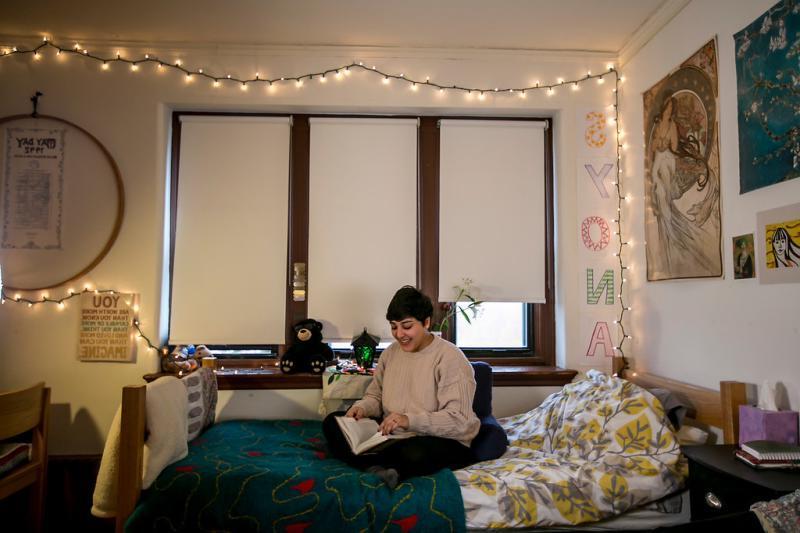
606 284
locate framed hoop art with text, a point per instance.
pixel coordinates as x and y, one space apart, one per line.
62 201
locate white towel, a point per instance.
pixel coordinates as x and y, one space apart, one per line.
166 407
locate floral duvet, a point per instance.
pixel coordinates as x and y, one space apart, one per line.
596 448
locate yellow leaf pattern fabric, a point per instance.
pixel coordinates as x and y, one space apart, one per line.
595 449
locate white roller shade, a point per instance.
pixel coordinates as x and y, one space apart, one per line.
362 221
229 274
492 209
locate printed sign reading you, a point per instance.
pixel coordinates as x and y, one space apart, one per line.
107 327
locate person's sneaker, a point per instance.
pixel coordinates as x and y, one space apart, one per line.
388 475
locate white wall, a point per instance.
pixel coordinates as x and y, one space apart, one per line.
706 330
130 114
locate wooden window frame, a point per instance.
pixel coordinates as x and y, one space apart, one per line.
535 366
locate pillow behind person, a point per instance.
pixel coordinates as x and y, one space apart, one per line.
201 396
674 408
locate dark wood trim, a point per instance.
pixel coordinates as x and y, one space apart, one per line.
531 376
298 219
544 314
173 206
503 376
428 211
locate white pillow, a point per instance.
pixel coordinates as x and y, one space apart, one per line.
691 436
166 421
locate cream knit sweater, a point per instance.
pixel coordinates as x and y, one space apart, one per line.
434 388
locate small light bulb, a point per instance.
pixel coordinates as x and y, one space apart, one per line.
323 79
36 56
104 66
244 86
188 77
216 83
481 96
299 83
199 71
178 62
134 67
560 81
600 81
523 95
386 80
550 91
60 306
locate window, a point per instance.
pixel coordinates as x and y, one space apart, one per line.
497 325
290 223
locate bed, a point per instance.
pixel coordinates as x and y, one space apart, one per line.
275 475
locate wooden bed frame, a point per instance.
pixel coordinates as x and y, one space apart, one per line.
713 408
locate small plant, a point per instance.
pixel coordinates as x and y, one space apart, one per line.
463 294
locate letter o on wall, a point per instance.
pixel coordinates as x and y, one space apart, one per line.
586 235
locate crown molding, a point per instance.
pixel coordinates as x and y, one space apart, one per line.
649 28
347 52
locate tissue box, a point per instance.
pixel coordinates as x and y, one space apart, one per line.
760 424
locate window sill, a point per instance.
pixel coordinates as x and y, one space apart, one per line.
503 376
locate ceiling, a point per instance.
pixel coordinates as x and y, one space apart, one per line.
606 26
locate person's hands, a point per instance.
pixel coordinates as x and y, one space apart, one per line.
392 422
355 412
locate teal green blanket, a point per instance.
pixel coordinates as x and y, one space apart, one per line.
275 475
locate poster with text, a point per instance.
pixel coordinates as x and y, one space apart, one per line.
107 327
32 189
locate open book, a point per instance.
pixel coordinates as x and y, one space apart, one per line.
363 434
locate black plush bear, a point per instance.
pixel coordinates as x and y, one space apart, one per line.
307 353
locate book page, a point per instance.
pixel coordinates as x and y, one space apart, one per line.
364 434
357 431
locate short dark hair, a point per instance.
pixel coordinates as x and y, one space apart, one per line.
409 302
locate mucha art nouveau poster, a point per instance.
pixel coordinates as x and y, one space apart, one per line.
682 210
769 101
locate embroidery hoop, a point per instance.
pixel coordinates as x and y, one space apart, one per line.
9 257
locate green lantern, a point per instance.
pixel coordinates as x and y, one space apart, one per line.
365 347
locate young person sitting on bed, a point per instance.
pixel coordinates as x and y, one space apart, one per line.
423 384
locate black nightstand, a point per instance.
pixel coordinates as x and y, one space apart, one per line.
721 485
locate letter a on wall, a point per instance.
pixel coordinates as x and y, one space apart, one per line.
601 338
606 284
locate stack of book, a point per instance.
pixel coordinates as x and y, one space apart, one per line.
769 454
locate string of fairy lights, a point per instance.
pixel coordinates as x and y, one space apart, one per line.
18 298
338 73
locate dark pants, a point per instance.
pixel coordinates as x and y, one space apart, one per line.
414 456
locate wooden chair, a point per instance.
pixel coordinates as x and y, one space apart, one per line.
24 411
